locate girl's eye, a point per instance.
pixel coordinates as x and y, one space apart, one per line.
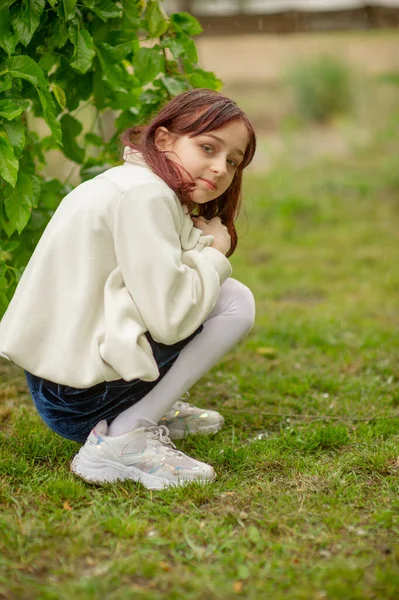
232 162
208 149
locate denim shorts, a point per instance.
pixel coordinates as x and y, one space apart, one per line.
73 412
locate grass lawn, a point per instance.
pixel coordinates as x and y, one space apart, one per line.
306 504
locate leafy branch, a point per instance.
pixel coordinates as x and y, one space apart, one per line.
59 60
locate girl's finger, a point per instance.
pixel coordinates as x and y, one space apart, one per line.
200 219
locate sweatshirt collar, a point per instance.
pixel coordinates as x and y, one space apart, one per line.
134 157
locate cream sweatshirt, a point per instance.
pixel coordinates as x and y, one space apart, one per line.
119 257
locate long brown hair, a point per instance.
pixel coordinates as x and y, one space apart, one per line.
193 113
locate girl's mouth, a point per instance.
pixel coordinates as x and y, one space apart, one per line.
209 183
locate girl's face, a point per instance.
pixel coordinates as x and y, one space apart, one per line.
210 158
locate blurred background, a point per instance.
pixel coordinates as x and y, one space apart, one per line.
317 77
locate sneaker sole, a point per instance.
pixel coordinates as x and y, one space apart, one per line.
101 471
180 434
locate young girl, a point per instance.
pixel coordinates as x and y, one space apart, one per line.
127 300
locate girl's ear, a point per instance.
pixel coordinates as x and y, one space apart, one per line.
164 139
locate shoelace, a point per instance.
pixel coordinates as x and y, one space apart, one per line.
160 434
181 404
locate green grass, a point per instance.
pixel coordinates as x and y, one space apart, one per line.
306 504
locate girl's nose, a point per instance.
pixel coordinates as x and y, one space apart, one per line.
219 166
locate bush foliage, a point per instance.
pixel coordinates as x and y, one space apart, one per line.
321 88
57 56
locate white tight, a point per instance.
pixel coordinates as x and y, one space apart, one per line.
230 320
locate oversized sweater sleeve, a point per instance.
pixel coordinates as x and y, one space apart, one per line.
174 291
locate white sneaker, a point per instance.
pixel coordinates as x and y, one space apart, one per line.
145 454
184 419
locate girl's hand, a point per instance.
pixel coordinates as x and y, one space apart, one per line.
215 227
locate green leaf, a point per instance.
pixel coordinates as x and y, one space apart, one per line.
77 87
8 247
22 199
112 72
131 15
47 61
57 34
8 163
27 20
49 114
35 146
123 51
99 92
148 63
204 79
12 107
47 143
126 119
121 36
186 23
26 68
181 46
51 194
8 40
4 256
156 18
4 301
84 49
125 101
15 131
59 94
95 140
69 8
189 47
5 82
9 229
71 128
153 97
152 101
104 9
175 86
